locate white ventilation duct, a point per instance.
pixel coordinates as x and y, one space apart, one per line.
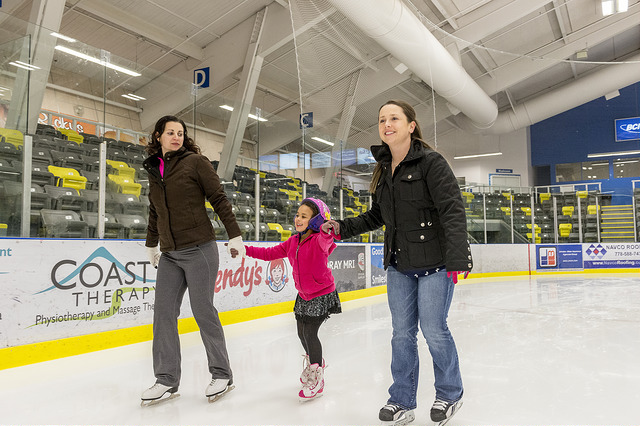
401 33
559 100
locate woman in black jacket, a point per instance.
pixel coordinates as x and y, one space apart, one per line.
417 198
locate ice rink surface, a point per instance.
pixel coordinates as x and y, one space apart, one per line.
546 350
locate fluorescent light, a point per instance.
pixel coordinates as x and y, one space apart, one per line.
255 117
622 5
64 37
24 65
97 61
134 97
461 157
315 138
607 7
612 95
612 154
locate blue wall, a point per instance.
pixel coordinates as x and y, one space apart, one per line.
587 129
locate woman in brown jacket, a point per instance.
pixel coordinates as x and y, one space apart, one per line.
180 181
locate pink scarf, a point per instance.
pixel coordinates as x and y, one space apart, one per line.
161 167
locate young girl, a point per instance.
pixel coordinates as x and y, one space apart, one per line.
308 251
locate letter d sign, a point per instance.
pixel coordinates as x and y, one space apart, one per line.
201 77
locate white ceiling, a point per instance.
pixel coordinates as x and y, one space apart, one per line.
515 50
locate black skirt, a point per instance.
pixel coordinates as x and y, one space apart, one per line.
317 309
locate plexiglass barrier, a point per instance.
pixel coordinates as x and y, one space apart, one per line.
74 123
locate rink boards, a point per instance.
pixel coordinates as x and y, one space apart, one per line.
84 295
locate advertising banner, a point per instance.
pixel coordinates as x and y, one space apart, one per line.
614 255
347 264
378 274
53 289
627 129
561 256
588 255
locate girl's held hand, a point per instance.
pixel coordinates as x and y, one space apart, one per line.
454 275
233 252
329 225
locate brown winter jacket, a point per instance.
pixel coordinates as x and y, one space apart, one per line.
177 215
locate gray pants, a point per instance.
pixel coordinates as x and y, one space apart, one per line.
195 269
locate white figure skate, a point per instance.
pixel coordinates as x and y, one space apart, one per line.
157 394
218 388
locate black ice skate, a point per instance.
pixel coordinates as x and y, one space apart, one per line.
157 394
394 415
442 411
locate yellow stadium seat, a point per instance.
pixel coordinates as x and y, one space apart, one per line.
122 168
538 239
582 194
545 196
567 210
124 185
68 177
506 210
526 210
14 137
284 233
565 229
592 209
72 135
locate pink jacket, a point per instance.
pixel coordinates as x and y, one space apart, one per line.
309 259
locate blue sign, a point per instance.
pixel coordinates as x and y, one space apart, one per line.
306 120
547 257
201 77
504 170
627 129
562 256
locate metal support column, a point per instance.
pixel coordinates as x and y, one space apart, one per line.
242 104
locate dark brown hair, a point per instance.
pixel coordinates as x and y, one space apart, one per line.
154 142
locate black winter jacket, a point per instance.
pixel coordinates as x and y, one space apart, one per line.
422 210
177 214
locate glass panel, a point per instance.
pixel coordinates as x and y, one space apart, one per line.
568 172
14 74
629 167
595 170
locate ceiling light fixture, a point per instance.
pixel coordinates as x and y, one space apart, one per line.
490 154
612 154
255 117
315 138
64 37
134 97
97 61
609 7
612 95
24 65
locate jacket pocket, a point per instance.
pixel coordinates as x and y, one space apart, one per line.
423 248
411 186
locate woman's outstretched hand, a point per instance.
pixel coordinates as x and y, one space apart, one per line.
329 225
454 275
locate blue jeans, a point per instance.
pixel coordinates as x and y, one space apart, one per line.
424 300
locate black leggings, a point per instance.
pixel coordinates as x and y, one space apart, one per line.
308 334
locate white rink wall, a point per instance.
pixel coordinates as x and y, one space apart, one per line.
55 289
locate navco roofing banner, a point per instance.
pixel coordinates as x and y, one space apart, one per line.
52 289
588 256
